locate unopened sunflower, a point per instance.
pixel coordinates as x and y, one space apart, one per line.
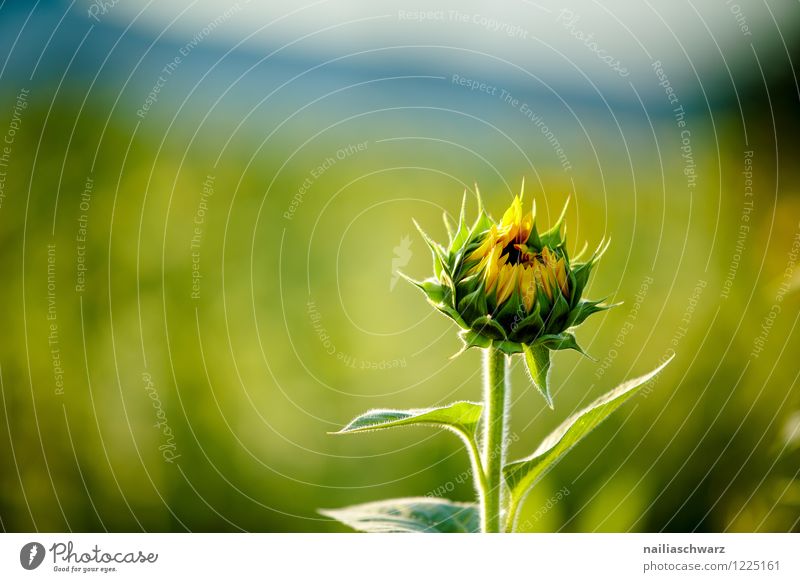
511 287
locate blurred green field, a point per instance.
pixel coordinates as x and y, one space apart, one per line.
211 413
204 209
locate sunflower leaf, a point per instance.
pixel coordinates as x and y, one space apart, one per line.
409 515
461 417
523 474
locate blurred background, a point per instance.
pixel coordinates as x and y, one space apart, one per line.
204 206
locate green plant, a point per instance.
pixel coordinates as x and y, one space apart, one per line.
512 290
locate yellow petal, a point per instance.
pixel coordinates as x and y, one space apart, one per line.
561 277
506 282
543 280
513 214
525 227
480 266
527 287
514 226
488 242
493 266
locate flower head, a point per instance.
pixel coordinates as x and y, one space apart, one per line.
507 285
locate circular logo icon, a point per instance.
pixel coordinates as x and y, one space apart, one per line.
31 555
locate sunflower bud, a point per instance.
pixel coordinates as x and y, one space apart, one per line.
509 286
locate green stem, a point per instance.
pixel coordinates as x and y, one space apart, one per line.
495 389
